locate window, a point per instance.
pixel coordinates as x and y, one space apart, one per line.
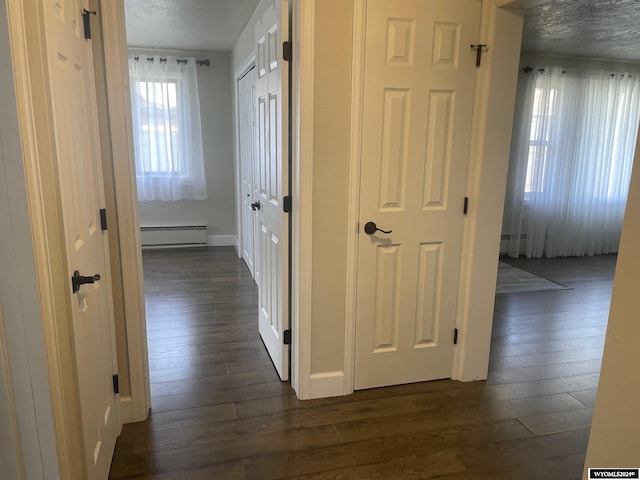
167 131
544 106
571 158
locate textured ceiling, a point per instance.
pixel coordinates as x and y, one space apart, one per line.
586 28
187 24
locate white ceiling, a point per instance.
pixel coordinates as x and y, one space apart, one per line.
587 28
187 24
608 29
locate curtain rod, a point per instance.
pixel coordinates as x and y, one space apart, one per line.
206 62
529 69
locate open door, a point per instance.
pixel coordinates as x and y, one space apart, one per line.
271 180
70 78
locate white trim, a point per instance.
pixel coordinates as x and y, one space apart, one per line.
302 195
222 241
237 165
353 208
488 164
327 384
117 77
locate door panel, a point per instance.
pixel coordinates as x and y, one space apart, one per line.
247 140
70 68
419 79
270 181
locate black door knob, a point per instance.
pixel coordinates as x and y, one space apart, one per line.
370 228
78 280
255 205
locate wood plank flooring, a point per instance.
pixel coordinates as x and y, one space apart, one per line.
220 412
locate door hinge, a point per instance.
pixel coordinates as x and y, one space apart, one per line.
287 336
455 336
480 49
116 384
86 19
465 209
286 51
286 204
103 219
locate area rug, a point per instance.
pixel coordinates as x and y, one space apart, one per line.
514 280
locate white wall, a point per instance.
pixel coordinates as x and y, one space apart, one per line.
218 210
615 430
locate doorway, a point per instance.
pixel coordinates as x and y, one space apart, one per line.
540 177
265 179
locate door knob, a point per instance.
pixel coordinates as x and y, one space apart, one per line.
370 228
78 280
255 205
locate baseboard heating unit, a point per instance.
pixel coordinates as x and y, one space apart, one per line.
174 236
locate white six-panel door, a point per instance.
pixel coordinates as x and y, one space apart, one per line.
247 140
271 179
70 68
419 81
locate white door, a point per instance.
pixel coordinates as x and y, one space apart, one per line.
419 80
271 179
73 109
247 139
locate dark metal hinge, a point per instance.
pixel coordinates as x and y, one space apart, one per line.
103 219
87 22
455 336
287 337
286 204
116 384
465 209
287 52
480 49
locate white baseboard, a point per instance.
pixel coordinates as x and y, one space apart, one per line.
222 241
327 384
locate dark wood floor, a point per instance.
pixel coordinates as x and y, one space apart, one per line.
220 412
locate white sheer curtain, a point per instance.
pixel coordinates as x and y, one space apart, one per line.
571 157
166 128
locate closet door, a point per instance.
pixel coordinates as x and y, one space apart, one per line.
247 140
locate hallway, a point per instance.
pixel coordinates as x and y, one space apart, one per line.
220 412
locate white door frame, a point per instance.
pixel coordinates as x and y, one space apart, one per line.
483 223
135 407
302 84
